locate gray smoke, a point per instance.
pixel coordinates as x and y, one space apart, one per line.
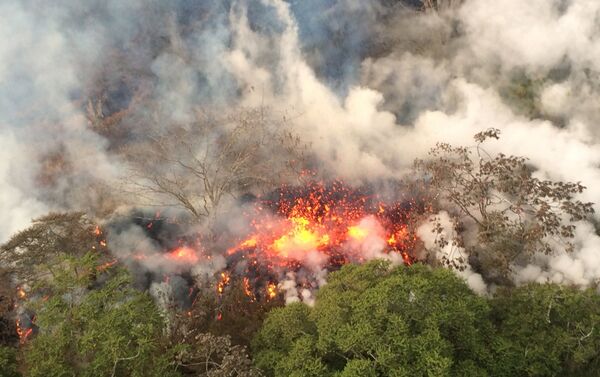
368 85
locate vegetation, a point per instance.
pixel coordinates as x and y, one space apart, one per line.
516 214
546 330
202 163
109 331
374 320
8 362
31 254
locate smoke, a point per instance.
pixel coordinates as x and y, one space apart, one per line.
450 253
368 86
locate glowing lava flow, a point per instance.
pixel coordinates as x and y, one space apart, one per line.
184 254
334 221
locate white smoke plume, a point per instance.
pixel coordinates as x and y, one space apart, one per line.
450 252
368 85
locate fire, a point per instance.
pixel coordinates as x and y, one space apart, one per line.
184 254
106 265
223 282
301 238
323 220
21 293
271 291
302 232
248 288
357 233
23 333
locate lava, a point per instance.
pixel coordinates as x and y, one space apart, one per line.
225 278
323 219
184 254
271 291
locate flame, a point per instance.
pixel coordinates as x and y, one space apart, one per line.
21 293
106 265
97 231
248 288
23 333
223 282
323 219
316 225
357 233
301 238
271 291
184 254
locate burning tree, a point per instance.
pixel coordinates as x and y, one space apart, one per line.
194 166
515 214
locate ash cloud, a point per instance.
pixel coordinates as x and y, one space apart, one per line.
369 85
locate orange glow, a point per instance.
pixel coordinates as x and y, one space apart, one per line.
21 293
357 233
184 254
301 238
251 242
271 291
321 219
248 288
223 282
106 265
23 333
97 231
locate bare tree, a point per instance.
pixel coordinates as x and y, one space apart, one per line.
515 213
194 166
203 354
440 5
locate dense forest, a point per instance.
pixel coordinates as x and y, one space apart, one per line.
299 188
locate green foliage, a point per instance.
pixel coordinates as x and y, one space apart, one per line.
112 330
8 334
372 320
8 362
546 330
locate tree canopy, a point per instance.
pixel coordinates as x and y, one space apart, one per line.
113 330
374 320
377 320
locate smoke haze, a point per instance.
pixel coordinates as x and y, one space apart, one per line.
367 86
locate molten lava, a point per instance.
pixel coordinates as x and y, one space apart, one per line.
326 220
184 254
